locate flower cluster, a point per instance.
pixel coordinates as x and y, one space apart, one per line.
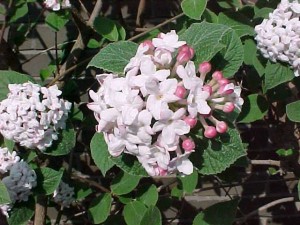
278 37
19 178
64 194
32 115
7 159
151 111
56 5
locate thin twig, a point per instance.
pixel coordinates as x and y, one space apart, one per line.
91 183
264 207
267 162
156 27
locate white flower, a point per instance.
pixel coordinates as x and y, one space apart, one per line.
64 194
32 115
7 159
171 126
278 37
197 102
168 41
5 208
56 5
182 164
159 94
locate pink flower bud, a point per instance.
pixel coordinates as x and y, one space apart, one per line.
223 81
188 145
228 107
183 57
217 75
204 67
192 52
180 91
207 88
190 121
221 127
210 132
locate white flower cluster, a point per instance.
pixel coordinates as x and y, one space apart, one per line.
56 5
32 115
64 194
150 112
19 180
278 37
7 159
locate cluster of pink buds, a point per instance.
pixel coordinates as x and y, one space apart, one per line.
151 112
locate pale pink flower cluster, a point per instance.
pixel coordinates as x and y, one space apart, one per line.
7 159
19 178
151 111
32 115
56 5
278 37
64 194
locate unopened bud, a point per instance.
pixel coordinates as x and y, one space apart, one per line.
221 127
180 91
223 81
190 121
210 132
188 145
204 67
217 75
228 107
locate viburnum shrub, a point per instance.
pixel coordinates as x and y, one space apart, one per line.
160 118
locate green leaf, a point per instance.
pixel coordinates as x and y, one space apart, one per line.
18 12
262 12
205 38
230 4
124 183
216 155
130 165
122 32
238 22
208 39
100 153
133 212
148 194
11 77
285 152
115 56
22 212
177 192
4 195
189 182
231 56
65 143
218 214
193 8
292 111
9 144
250 51
93 43
47 180
254 108
76 113
107 28
209 16
47 72
100 208
57 20
151 217
82 191
276 73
